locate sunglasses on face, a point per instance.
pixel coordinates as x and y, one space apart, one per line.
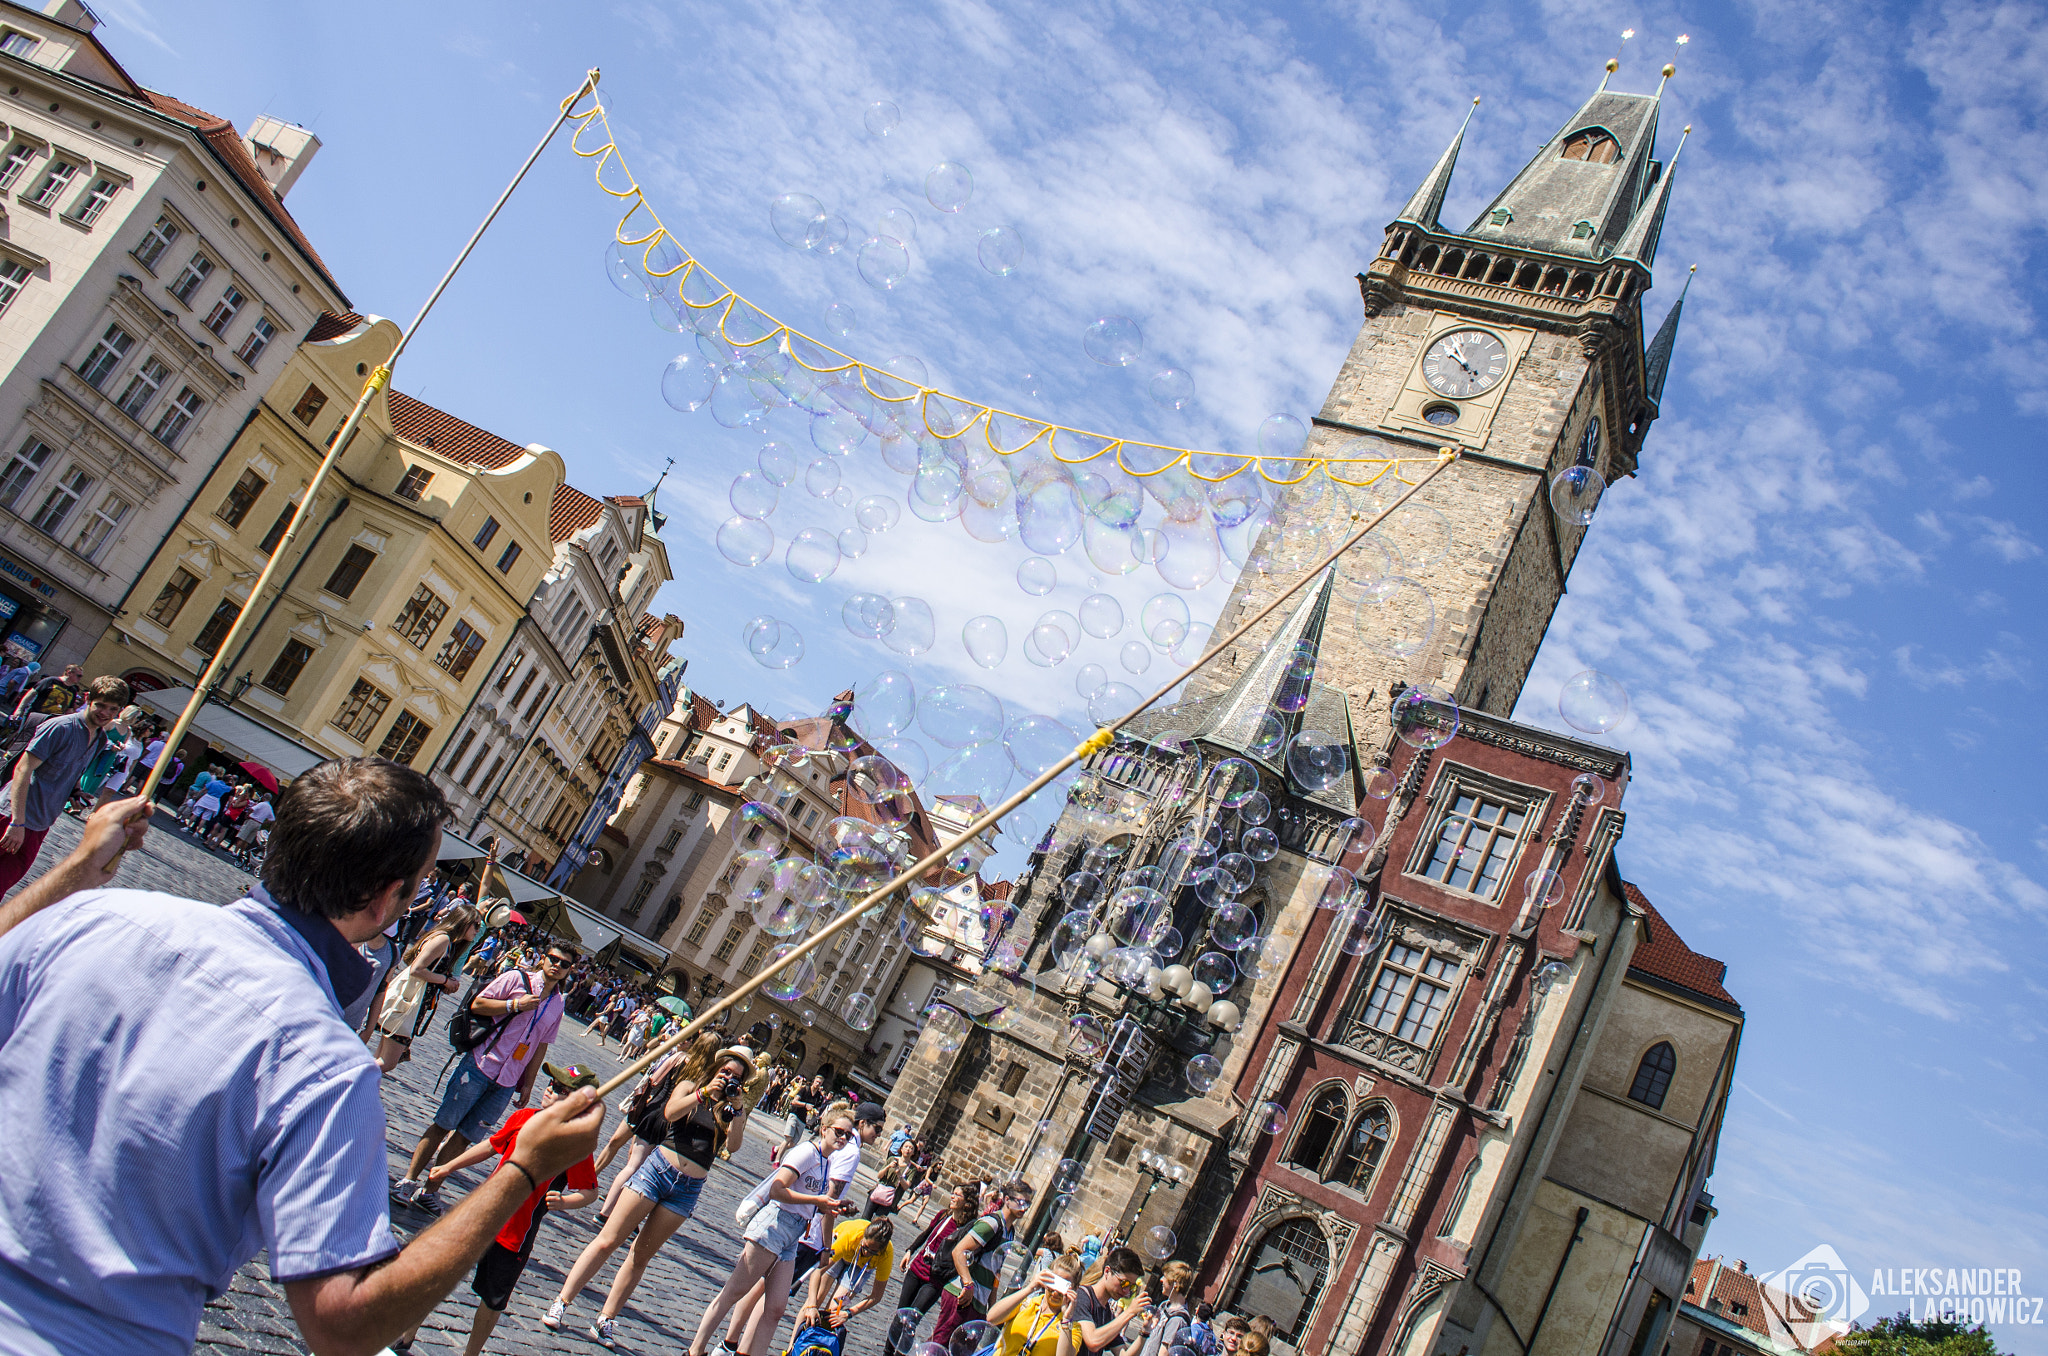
840 1131
556 960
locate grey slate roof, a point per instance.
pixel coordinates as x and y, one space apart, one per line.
1422 209
1657 361
1551 193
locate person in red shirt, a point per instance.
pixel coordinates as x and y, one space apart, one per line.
498 1270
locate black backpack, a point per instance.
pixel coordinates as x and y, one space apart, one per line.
468 1031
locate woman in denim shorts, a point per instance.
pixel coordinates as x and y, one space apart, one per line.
795 1193
706 1110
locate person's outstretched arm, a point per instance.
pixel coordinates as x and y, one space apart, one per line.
110 830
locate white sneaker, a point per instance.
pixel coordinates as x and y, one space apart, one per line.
601 1333
553 1317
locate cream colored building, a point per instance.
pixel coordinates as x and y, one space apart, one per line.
403 589
152 286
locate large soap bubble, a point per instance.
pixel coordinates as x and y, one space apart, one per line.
1172 388
1164 620
1035 743
1101 615
759 825
884 705
1112 700
1575 494
958 714
793 981
914 629
745 540
794 215
1396 616
1135 656
1424 716
1000 250
1088 680
1316 760
986 640
1113 341
948 186
876 513
687 382
883 262
1037 576
1593 702
773 644
813 555
868 615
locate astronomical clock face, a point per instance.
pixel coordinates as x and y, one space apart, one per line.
1465 363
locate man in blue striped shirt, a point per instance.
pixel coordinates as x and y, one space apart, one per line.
178 1090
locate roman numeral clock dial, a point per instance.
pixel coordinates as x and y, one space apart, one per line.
1464 363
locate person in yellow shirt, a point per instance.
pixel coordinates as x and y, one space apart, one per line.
1030 1316
859 1259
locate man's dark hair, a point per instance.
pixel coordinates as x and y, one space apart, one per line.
348 828
1123 1262
108 688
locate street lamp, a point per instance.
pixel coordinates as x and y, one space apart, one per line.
1161 1171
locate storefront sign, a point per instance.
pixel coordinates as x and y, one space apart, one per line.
28 577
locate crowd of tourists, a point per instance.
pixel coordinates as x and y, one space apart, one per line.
239 1110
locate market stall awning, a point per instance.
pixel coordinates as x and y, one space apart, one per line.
226 728
594 926
456 848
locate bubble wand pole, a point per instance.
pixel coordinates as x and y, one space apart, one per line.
377 381
1095 743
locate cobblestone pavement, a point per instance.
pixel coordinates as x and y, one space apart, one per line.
663 1315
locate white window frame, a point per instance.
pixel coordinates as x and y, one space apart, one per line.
108 354
178 417
14 276
166 232
19 157
143 386
14 42
197 270
69 489
260 335
225 310
96 200
57 176
23 469
100 526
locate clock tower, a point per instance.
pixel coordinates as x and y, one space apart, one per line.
1520 341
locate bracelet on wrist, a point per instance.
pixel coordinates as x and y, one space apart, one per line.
532 1183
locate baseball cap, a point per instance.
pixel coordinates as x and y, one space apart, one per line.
870 1113
569 1077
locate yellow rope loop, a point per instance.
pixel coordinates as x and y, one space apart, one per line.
608 154
1095 743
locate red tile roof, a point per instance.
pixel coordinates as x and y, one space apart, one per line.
571 512
226 143
1732 1284
421 424
627 500
1664 955
649 624
332 326
702 712
997 889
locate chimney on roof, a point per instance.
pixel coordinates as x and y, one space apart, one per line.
281 150
1742 1266
70 13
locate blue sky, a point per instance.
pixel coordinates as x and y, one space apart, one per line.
1815 590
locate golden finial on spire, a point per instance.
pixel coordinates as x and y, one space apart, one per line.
1614 62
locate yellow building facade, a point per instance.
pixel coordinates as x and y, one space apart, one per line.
402 588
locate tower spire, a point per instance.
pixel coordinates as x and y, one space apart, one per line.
1657 361
1639 241
1422 209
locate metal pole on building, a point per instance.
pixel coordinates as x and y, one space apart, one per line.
377 381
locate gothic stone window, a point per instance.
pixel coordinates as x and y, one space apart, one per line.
1474 844
1337 1148
1591 144
1284 1276
1407 996
1653 1076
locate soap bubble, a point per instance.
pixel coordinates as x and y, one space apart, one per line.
752 873
981 769
1113 341
900 222
985 640
757 824
914 630
1164 620
1589 788
1396 616
774 644
1089 680
1047 646
1112 700
1233 781
1173 388
884 263
752 495
868 615
948 186
947 1028
687 382
1136 656
876 513
1148 545
778 464
1238 870
622 266
1001 250
906 754
881 118
1233 925
1101 616
1543 889
1592 702
958 714
1256 809
840 319
1360 927
1575 493
1159 1242
853 543
745 541
1316 760
827 235
1261 844
786 917
1216 970
1424 716
813 555
1419 536
1379 782
1271 1118
1282 437
1037 577
821 477
1550 974
1333 885
1086 1037
1035 743
872 779
793 215
1203 1071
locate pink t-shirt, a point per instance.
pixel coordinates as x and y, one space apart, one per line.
504 1060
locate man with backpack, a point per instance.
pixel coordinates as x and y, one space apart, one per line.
503 1033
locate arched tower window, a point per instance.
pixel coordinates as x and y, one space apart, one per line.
1653 1075
1284 1276
1359 1160
1320 1129
1591 144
